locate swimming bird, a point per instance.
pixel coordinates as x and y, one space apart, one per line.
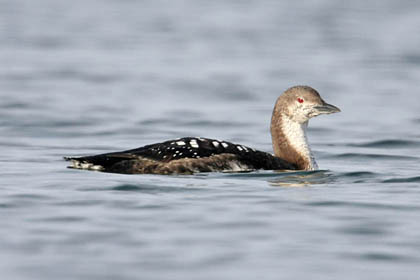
189 155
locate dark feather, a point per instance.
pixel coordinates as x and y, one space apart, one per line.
185 154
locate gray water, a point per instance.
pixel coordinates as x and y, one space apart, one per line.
85 77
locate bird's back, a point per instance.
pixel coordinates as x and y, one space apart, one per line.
183 156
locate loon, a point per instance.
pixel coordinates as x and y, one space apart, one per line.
190 155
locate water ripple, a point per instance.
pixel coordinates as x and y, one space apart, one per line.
362 205
388 143
151 189
381 257
373 156
359 174
390 257
403 180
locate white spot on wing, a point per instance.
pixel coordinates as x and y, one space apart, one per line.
96 167
86 165
239 148
215 144
194 143
180 143
225 145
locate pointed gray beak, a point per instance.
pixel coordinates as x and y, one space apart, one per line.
326 109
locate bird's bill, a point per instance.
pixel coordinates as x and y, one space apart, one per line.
326 109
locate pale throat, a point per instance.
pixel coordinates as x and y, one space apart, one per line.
296 137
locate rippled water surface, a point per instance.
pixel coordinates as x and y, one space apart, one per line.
85 77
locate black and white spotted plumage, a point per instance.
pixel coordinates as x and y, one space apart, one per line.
185 155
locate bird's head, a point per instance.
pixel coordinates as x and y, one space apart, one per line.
301 103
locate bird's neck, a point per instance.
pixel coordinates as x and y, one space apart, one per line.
291 143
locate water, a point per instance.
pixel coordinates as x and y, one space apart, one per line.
85 77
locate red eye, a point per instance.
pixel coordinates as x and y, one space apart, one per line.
300 100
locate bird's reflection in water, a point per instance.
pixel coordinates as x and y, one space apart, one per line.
302 179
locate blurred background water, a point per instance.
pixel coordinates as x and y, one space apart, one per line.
83 77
